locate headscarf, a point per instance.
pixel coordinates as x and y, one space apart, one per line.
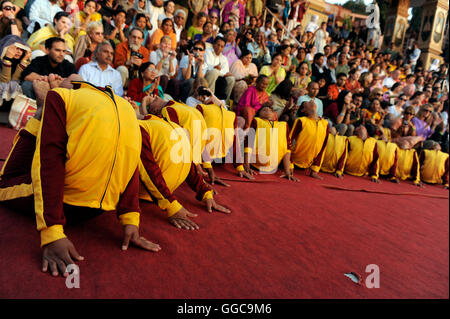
9 40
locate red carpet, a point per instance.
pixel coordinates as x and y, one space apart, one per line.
282 240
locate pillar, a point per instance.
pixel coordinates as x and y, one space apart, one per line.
396 24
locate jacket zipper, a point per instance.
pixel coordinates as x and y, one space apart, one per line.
110 94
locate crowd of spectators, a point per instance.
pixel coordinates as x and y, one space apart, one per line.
176 49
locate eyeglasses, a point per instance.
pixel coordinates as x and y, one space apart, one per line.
198 49
214 17
9 8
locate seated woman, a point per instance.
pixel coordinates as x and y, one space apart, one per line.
166 29
274 72
342 112
197 26
245 73
260 52
252 100
206 35
424 122
301 78
403 130
165 62
374 114
146 84
231 50
281 96
140 21
15 56
86 44
262 151
82 19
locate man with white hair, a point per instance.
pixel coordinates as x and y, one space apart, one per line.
179 18
99 72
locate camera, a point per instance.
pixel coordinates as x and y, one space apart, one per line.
196 55
137 54
405 123
203 91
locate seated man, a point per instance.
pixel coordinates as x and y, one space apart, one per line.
309 137
51 65
363 157
313 89
130 55
163 169
218 68
116 31
408 165
99 72
388 153
192 66
336 88
101 173
434 164
335 154
268 144
60 28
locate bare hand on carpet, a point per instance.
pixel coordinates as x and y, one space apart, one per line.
215 179
131 234
211 204
58 255
181 220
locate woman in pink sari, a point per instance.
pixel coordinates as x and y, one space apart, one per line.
253 99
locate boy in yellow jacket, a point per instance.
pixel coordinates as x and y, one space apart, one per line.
166 162
81 158
363 157
269 146
335 154
309 138
434 166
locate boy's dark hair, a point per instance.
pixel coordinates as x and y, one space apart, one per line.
59 15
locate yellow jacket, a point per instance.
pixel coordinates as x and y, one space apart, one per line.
87 154
269 145
309 139
48 32
362 157
408 165
434 167
335 154
166 163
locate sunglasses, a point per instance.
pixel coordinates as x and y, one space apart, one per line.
427 111
199 49
404 100
9 8
409 113
379 94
